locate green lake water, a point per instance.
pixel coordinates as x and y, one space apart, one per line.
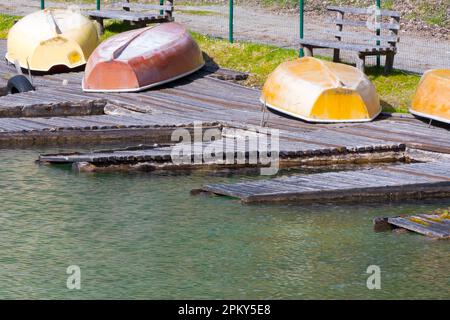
144 236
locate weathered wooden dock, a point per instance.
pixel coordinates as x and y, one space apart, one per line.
290 154
418 180
434 225
60 112
430 225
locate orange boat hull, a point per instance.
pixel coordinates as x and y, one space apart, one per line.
320 91
432 98
141 59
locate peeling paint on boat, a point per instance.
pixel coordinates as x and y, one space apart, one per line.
142 58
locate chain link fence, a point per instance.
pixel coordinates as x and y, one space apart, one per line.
424 40
424 35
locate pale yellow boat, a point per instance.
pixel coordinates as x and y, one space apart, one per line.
319 91
52 37
432 98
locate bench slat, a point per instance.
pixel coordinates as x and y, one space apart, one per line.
353 23
124 15
143 6
346 46
363 36
364 11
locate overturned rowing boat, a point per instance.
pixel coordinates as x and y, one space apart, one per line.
142 58
432 98
52 37
319 91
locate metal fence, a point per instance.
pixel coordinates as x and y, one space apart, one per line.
241 20
417 51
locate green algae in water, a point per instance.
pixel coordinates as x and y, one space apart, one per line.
143 236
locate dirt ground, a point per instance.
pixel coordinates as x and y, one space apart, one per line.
417 52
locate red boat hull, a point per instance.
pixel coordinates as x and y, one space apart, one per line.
141 59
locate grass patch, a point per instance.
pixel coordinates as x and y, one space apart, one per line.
6 23
396 90
433 14
113 27
257 59
387 4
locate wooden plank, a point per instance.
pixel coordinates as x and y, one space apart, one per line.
423 226
435 140
143 6
125 15
421 174
343 186
362 36
346 46
363 11
356 23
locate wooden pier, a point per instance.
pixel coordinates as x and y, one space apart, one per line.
59 112
290 154
418 180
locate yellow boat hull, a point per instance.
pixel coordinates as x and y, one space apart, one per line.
51 37
432 98
319 91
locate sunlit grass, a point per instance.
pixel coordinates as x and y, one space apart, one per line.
396 90
113 27
6 23
256 59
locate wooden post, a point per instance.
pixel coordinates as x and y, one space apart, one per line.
389 64
361 62
126 22
169 13
101 26
308 51
126 8
336 52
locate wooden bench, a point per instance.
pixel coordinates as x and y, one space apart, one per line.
368 42
137 14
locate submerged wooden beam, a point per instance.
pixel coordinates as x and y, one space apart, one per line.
430 225
235 154
435 225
